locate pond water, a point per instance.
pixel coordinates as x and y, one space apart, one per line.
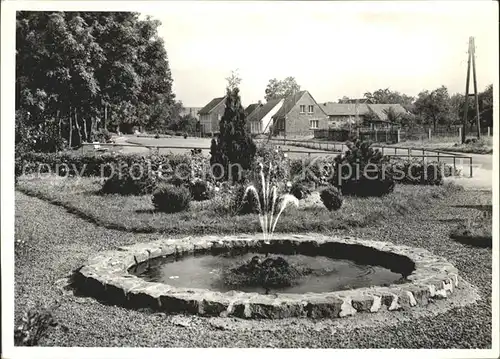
206 271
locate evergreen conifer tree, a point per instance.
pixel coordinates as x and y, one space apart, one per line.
233 145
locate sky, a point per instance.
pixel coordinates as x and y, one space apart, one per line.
333 49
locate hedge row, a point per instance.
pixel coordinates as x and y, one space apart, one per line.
103 164
402 171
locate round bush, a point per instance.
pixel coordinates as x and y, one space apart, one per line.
200 190
170 199
300 190
129 182
365 187
332 198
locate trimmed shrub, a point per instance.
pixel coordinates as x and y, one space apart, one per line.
300 190
363 171
368 188
331 198
200 190
170 199
129 181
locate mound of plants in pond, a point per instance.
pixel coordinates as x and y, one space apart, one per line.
264 271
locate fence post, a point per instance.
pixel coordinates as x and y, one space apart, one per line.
470 166
382 150
460 133
376 135
430 135
409 153
399 136
423 156
454 165
438 155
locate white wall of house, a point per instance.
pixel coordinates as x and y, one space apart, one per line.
267 119
206 123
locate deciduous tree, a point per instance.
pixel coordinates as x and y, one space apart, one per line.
278 89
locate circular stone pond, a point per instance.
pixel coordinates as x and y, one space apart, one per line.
323 276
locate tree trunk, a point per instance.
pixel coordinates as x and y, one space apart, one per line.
85 124
92 128
78 128
105 116
70 139
59 124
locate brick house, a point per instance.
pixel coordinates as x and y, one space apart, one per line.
300 115
211 114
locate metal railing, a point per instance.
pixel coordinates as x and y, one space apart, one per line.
385 150
331 149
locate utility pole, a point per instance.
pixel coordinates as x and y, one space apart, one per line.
476 97
471 57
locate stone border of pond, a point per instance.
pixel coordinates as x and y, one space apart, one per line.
108 277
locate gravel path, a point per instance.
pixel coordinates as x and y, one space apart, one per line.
64 241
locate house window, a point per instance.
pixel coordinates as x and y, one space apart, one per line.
302 108
310 109
314 124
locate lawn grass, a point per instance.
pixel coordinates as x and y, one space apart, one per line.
136 213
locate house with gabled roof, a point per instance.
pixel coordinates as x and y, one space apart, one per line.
261 118
359 114
211 114
251 108
299 114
